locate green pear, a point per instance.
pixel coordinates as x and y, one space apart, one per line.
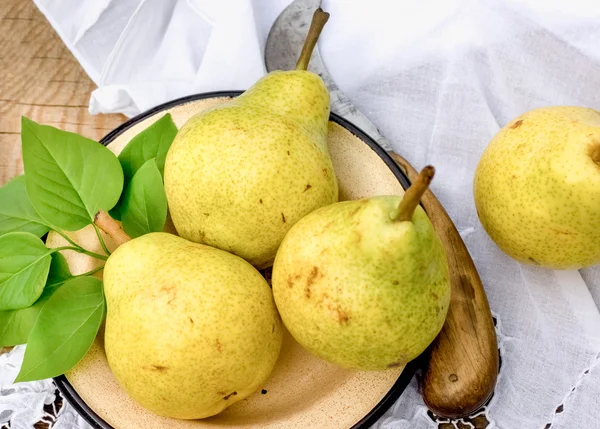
239 175
190 329
537 187
364 284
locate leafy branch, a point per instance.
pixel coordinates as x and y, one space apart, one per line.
70 182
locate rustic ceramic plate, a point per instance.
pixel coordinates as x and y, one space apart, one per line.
303 391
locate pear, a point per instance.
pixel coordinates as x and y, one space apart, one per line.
537 187
190 329
364 284
239 175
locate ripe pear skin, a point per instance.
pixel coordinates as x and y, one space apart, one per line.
359 289
190 329
239 175
537 187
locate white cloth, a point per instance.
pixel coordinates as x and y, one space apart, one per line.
439 78
144 52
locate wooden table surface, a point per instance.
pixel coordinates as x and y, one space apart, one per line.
40 79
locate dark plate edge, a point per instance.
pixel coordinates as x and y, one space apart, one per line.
72 397
67 390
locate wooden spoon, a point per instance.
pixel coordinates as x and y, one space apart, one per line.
462 367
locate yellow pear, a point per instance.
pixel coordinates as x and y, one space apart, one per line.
364 284
190 329
239 175
537 187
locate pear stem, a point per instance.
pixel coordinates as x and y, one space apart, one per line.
316 26
413 195
111 228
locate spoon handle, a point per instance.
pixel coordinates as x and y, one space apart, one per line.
460 374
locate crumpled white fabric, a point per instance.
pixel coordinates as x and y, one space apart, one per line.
439 78
21 404
144 52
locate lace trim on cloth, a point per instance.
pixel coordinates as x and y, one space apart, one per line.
48 419
478 420
37 404
580 379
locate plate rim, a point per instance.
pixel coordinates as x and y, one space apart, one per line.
66 388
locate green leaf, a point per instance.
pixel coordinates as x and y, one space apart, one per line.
15 325
59 270
16 211
64 330
69 178
153 142
24 265
144 207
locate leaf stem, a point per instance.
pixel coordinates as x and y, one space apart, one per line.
413 195
316 26
76 247
89 273
87 252
100 239
66 237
